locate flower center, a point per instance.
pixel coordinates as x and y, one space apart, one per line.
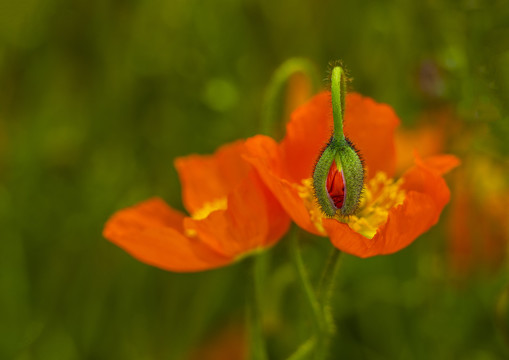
208 207
306 193
336 186
381 194
204 212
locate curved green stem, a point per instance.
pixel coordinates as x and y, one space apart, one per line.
306 284
325 292
320 305
304 351
328 274
271 112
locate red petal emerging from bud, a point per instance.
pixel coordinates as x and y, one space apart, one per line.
336 186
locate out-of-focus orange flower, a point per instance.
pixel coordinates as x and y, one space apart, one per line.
230 343
434 129
479 218
392 212
426 140
478 225
232 214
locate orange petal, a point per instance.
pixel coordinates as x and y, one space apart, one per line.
263 153
439 164
427 194
405 223
152 233
424 180
426 140
253 220
371 126
206 178
308 131
347 240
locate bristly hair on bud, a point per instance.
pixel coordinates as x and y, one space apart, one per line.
348 79
341 152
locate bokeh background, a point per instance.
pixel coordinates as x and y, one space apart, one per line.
98 97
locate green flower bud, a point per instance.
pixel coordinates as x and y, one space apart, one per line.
338 177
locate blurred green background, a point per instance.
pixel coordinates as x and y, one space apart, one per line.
98 97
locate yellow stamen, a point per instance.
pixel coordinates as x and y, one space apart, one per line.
205 211
307 195
208 207
380 195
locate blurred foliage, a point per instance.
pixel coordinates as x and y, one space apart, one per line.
98 97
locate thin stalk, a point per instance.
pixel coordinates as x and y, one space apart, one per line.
303 277
271 111
305 350
326 291
257 349
328 273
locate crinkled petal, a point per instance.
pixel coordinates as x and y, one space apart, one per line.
207 178
347 240
426 195
371 126
439 164
406 222
426 140
263 153
253 220
152 233
307 132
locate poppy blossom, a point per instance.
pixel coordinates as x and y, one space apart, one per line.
232 214
391 213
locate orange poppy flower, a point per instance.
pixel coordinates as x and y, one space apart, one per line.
232 214
392 213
